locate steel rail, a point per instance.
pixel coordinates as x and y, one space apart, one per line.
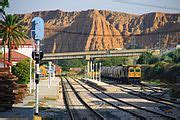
65 99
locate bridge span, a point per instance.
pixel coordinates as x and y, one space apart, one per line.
96 54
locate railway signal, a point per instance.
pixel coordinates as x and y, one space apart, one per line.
37 31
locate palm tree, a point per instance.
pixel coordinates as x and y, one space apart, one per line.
12 32
4 3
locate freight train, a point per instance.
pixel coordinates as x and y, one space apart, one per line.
125 74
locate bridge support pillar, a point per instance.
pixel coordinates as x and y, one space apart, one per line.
89 64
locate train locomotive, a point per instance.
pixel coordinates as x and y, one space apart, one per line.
124 74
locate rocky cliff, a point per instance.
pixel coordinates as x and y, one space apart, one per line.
103 30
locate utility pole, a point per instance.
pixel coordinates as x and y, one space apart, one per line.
49 80
30 77
93 71
34 84
85 72
100 72
54 70
37 34
96 73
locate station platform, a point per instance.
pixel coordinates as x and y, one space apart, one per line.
50 100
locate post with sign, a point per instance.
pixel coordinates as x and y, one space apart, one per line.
37 34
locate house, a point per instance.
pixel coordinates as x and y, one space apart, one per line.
58 69
16 57
18 54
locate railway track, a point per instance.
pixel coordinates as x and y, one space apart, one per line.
148 97
155 90
142 112
151 88
129 115
70 95
65 99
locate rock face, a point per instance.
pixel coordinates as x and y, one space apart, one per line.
103 30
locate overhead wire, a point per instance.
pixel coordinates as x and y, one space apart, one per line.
147 5
116 35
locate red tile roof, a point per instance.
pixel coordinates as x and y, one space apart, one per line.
17 56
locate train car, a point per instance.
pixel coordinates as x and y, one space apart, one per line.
134 74
128 74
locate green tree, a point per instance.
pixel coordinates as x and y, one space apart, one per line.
12 32
173 56
145 58
22 71
106 62
114 61
66 64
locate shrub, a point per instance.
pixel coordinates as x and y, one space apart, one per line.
171 73
154 59
158 68
21 70
147 73
154 72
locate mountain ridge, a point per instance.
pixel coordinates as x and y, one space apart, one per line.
99 29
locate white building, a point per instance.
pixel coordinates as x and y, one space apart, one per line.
178 45
23 52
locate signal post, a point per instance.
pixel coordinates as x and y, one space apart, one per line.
37 34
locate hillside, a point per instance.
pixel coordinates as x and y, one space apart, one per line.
103 30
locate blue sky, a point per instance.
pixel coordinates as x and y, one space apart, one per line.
28 6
